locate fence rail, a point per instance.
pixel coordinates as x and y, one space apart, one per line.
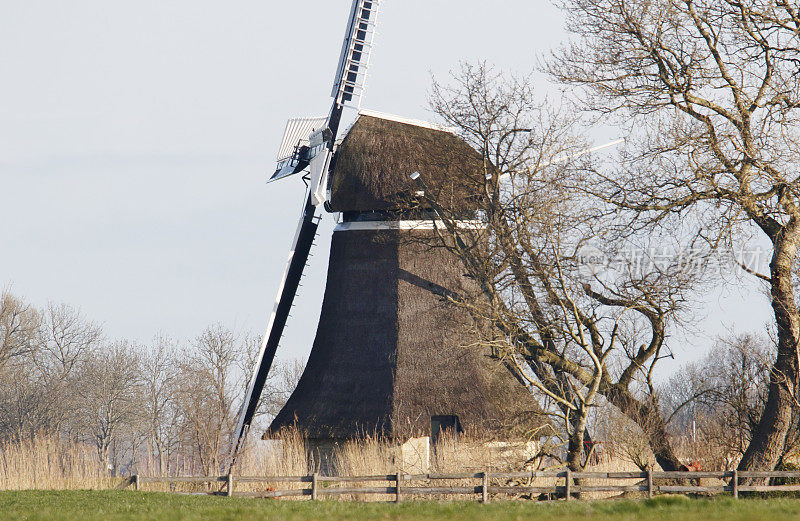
567 490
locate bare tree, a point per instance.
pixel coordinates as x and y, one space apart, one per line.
159 409
27 406
206 389
23 404
578 334
66 338
19 323
43 350
108 391
712 86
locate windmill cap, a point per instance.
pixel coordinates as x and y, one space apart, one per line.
375 158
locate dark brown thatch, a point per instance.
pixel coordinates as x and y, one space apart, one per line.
377 157
390 352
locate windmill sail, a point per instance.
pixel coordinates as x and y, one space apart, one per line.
298 256
297 151
351 75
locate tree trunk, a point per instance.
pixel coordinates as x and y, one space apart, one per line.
575 447
769 437
576 443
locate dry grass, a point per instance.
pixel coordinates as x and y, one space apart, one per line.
46 462
366 457
286 456
50 463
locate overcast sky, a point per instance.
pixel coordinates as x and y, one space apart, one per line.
136 139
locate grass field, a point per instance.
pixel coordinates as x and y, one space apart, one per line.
114 506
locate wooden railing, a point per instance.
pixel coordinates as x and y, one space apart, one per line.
319 486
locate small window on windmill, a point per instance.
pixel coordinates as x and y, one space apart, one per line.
445 423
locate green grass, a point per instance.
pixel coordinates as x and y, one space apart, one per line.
129 505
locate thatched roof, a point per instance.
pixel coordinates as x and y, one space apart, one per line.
390 352
376 158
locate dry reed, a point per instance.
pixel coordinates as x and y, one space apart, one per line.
48 462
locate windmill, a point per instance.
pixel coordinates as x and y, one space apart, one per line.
387 358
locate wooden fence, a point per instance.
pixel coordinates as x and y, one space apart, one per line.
320 486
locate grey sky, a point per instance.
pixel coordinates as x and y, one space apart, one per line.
136 139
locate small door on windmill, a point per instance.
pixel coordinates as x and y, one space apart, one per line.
441 424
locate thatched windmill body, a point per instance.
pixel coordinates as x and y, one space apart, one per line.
390 356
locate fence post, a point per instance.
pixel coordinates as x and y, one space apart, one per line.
314 486
735 483
398 478
229 493
136 483
485 488
568 485
650 482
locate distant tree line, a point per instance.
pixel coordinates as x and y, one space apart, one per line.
167 402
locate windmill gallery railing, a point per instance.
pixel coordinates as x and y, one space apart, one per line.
567 485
